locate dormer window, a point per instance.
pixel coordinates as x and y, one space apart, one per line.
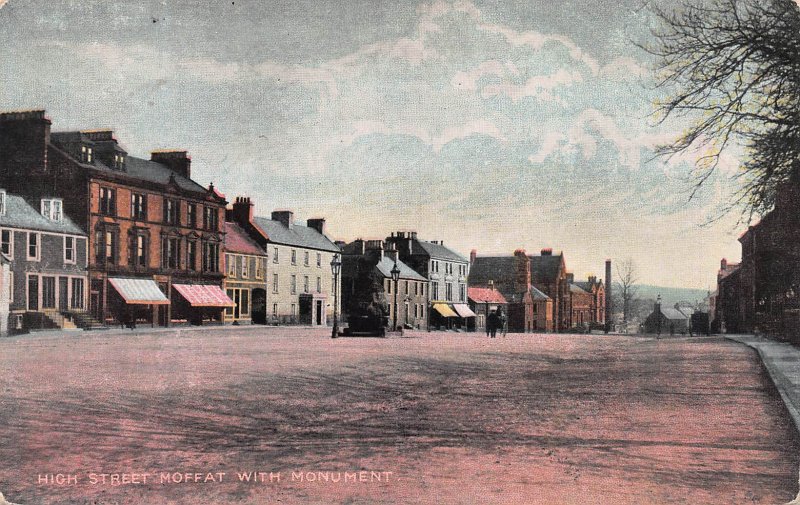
52 209
86 154
119 161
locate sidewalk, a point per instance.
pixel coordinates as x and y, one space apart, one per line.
782 361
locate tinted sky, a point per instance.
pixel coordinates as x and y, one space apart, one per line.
489 125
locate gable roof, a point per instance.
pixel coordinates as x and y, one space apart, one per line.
538 295
673 314
438 251
485 295
498 269
296 235
237 241
21 214
545 269
386 264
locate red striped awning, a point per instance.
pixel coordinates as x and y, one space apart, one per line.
139 291
204 295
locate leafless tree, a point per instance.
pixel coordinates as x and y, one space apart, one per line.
732 68
626 286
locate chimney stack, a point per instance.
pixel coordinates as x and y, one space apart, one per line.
317 224
242 212
522 279
178 161
608 296
24 136
473 255
547 251
285 217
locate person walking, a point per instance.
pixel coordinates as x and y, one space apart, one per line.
501 321
491 323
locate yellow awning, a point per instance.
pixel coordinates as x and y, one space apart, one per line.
444 310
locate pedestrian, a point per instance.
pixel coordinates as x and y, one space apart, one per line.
492 322
501 321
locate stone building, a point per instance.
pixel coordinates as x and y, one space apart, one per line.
666 320
446 272
45 255
483 301
411 288
245 277
155 235
300 284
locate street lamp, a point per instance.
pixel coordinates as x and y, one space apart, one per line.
336 267
396 278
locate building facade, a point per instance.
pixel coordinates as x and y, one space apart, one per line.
446 272
300 284
407 298
549 275
47 258
155 235
245 277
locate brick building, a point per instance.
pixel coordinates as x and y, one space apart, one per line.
155 235
529 309
589 311
483 301
299 280
549 275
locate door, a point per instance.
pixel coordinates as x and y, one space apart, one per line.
258 311
319 312
63 294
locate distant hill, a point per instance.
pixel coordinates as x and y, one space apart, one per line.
670 296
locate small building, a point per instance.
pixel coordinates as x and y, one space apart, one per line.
580 305
483 301
549 275
46 257
666 320
597 289
245 281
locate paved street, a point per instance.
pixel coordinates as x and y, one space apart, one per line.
436 418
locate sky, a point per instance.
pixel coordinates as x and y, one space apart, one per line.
488 125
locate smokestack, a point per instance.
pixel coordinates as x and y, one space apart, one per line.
608 296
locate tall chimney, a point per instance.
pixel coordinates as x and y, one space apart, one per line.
242 212
23 146
178 161
285 217
317 224
608 296
522 279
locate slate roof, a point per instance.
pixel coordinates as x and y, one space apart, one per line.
386 264
575 289
499 269
673 314
296 235
136 168
584 285
237 241
438 251
20 214
544 269
485 295
538 295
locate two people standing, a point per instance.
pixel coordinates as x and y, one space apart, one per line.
496 320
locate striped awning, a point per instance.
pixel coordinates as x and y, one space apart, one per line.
444 310
139 291
463 310
204 295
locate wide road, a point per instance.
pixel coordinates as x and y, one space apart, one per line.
439 418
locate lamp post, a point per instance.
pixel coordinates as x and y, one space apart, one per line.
336 267
396 278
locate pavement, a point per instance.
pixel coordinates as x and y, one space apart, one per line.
782 361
